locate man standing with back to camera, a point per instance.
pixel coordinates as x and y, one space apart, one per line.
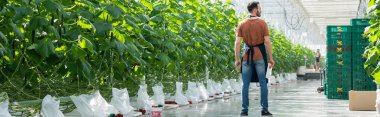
255 34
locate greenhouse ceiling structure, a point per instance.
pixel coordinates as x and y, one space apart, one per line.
305 21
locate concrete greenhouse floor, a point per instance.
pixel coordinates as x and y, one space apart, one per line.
292 99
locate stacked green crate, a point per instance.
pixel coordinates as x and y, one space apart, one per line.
360 80
338 63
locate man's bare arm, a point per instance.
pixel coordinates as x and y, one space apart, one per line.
268 46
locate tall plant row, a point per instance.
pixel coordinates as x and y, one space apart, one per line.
289 56
65 47
68 47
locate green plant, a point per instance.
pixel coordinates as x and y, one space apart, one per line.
70 47
288 56
74 46
373 49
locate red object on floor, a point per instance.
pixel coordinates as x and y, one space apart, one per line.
142 111
119 115
170 102
156 113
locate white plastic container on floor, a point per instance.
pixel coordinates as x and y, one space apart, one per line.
93 105
120 100
50 107
4 103
180 99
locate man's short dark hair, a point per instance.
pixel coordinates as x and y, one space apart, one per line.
252 5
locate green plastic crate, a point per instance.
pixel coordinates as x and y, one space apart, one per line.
339 49
366 84
358 68
337 63
360 22
339 42
360 75
337 75
358 64
336 28
324 85
338 56
358 50
359 72
358 29
359 40
364 88
338 84
363 42
339 35
358 59
363 80
337 95
340 68
338 88
332 80
343 63
334 72
358 55
358 35
358 46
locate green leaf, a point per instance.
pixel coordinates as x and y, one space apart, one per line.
45 47
32 47
61 49
77 52
132 49
84 23
102 27
170 45
228 2
54 31
115 11
85 43
143 17
22 11
371 3
52 6
86 69
2 36
145 43
3 51
37 22
377 77
131 23
86 15
160 7
105 16
119 36
164 58
147 4
121 47
132 18
16 30
157 19
373 58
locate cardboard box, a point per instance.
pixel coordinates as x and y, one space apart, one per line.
362 100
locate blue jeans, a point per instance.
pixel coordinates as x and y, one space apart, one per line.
247 75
